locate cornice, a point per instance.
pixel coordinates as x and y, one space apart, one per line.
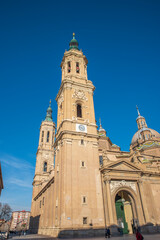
58 138
44 188
73 52
88 84
47 123
74 121
140 173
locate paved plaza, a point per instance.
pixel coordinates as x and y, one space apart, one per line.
124 237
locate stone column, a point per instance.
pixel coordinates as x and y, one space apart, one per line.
143 201
105 203
109 201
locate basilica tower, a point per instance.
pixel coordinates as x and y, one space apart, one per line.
77 177
45 152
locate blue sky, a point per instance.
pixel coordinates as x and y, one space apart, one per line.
120 39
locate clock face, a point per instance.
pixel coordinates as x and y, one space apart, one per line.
81 128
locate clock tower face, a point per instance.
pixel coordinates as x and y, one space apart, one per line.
81 128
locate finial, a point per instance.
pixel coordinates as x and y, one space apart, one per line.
73 35
100 122
50 102
138 111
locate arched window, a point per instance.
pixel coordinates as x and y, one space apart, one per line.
69 67
79 110
48 136
45 167
77 67
42 136
101 160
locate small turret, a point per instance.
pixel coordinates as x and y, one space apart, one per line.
49 113
45 152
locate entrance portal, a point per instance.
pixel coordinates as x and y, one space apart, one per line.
124 209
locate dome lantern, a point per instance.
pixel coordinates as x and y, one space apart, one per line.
73 43
141 122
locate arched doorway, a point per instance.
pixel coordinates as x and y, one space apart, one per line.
126 212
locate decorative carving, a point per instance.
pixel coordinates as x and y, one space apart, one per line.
45 155
117 184
79 94
60 99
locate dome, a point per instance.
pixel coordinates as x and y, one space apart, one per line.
102 129
137 135
73 43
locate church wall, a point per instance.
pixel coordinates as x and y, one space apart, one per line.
79 181
153 190
42 216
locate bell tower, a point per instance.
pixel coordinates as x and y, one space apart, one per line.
77 178
45 152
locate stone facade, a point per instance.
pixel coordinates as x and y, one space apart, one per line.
82 181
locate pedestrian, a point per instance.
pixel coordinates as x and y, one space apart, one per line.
139 236
107 233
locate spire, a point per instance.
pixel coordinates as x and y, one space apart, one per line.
73 43
138 111
49 113
100 123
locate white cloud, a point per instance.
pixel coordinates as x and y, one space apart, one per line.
15 162
16 171
17 178
19 182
